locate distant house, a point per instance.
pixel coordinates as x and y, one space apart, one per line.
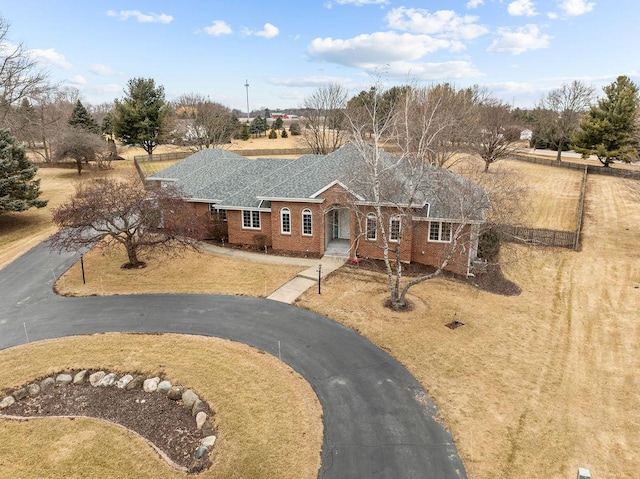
314 205
526 134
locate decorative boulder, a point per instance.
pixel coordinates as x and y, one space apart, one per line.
19 394
108 381
124 381
208 441
6 402
175 393
136 383
207 429
201 418
80 377
151 385
95 378
47 383
189 398
201 451
63 379
198 406
33 389
164 387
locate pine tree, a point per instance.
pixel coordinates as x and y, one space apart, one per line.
284 133
608 129
245 132
81 118
277 124
272 134
18 189
294 128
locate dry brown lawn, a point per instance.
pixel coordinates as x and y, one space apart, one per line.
533 385
268 419
191 272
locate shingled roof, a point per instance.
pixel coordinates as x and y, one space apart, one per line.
234 182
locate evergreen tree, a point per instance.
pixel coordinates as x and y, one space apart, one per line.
277 124
608 129
107 125
18 189
272 134
80 118
284 133
294 128
141 115
245 132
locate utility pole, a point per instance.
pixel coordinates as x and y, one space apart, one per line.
246 85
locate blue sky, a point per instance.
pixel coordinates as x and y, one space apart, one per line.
518 49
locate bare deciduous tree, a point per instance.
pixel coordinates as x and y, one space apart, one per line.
398 188
558 113
324 118
496 134
20 75
111 212
201 123
82 146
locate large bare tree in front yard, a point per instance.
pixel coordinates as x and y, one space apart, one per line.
398 188
112 211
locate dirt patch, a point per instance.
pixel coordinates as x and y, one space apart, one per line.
163 422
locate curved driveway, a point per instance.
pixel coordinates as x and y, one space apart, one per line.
378 421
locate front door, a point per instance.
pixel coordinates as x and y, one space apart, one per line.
341 224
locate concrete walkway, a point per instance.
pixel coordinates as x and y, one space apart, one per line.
291 290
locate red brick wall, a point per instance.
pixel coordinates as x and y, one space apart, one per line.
239 235
433 253
373 249
296 241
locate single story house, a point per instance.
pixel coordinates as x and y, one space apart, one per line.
323 204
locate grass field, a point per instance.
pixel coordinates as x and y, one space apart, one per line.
262 409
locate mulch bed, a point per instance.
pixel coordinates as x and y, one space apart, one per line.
491 279
162 421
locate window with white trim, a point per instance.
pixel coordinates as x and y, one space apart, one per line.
217 214
251 219
307 222
394 228
285 221
372 227
440 231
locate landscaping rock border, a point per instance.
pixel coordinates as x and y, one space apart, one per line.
23 404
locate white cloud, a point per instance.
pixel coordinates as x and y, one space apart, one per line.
218 28
124 15
377 48
576 7
519 8
446 23
474 3
49 57
100 69
78 80
268 31
428 71
552 15
523 39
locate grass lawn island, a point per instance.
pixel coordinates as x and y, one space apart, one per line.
324 204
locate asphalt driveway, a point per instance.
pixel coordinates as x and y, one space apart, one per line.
378 420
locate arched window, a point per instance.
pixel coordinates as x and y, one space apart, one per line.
307 222
285 221
372 227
